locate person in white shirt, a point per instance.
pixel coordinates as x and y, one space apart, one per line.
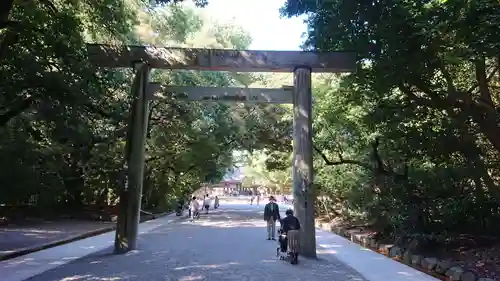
194 207
206 203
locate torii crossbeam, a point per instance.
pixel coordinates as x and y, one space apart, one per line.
224 94
221 59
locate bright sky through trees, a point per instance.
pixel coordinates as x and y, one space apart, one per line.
262 19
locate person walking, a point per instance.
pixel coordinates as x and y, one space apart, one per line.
216 202
271 214
258 199
194 207
206 203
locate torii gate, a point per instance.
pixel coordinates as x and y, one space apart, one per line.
143 59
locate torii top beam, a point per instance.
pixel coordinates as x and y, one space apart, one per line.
221 60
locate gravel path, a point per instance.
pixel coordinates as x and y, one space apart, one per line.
228 244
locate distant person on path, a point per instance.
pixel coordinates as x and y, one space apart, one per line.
251 200
258 199
194 207
271 214
216 202
206 203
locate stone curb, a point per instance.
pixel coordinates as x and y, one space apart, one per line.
442 270
29 250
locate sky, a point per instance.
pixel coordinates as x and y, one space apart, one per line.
261 18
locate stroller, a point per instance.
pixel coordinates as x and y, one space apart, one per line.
288 249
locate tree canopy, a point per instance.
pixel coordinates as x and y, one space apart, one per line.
411 140
63 122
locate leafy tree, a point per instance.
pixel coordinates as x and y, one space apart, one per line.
272 180
411 139
63 123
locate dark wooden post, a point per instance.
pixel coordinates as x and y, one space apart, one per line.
303 160
130 200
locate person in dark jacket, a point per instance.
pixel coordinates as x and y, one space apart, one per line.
290 226
271 214
290 222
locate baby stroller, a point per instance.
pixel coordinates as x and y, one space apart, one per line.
288 249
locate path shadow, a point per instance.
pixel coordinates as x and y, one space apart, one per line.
224 245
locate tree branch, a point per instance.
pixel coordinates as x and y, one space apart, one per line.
152 107
379 169
16 110
490 76
376 156
341 161
482 81
5 8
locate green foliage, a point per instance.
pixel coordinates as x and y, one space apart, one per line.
410 141
182 22
63 124
258 173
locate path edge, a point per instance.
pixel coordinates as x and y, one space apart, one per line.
77 237
447 271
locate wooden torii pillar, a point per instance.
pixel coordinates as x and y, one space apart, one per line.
143 58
